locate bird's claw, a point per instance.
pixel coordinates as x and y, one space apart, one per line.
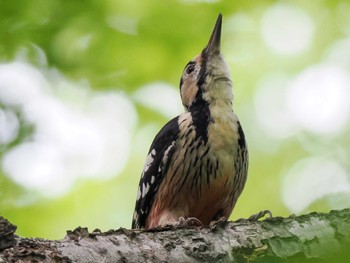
189 222
257 216
220 222
260 215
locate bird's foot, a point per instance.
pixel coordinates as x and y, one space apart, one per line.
257 216
260 215
220 222
189 222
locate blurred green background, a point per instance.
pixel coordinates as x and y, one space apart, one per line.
86 85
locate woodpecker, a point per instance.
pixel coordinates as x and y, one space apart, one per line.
197 165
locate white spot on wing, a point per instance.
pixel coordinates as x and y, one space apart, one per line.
153 178
149 160
166 153
166 156
138 194
136 216
145 189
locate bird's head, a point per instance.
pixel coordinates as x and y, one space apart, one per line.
206 78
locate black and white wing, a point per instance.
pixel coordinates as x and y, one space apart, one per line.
154 170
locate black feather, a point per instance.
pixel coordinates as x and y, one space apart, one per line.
241 139
201 118
157 168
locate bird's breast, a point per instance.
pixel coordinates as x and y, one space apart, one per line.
201 177
223 133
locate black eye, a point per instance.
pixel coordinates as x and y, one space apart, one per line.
190 68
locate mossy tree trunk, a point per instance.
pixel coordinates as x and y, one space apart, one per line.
316 237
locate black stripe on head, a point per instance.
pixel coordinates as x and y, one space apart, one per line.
201 79
200 108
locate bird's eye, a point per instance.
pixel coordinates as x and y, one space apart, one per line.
190 69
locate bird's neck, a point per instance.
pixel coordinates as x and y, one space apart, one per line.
216 109
220 109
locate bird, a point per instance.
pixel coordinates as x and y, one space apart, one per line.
197 164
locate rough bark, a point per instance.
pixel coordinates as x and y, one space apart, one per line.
316 237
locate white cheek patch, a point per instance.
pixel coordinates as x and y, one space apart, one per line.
189 91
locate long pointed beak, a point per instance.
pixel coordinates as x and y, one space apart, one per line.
213 46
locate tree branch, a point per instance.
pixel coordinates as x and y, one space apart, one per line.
316 237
